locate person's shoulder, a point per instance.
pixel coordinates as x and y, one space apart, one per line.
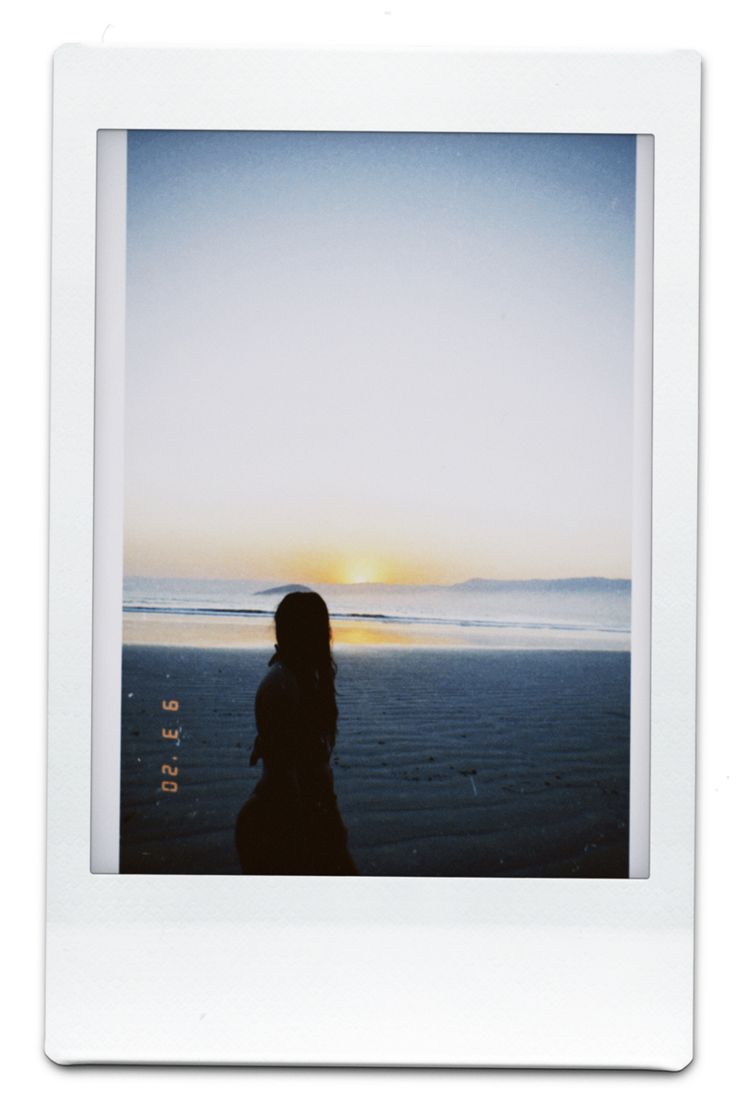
277 685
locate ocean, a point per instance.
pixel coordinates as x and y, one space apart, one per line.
570 614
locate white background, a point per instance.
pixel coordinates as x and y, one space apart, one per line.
28 41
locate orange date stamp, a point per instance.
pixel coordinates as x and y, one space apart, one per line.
171 732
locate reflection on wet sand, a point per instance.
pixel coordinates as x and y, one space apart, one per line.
191 630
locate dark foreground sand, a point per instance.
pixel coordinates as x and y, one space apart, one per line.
449 762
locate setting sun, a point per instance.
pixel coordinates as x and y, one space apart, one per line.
361 573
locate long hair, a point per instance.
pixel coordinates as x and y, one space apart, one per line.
303 644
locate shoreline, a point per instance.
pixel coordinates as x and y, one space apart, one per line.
254 632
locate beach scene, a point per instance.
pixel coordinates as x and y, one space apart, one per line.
484 728
394 369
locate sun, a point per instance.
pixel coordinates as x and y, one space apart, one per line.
360 573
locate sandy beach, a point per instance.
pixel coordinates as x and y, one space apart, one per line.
449 761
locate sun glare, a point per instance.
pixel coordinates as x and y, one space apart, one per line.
361 573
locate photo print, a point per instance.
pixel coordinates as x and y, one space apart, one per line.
379 444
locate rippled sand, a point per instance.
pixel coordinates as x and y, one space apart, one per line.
449 761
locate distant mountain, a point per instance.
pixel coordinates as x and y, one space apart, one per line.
287 588
586 584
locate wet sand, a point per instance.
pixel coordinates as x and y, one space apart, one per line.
449 761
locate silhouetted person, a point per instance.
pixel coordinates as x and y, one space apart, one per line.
291 824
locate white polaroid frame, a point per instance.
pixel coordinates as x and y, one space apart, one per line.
374 971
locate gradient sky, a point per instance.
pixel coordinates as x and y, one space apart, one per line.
391 357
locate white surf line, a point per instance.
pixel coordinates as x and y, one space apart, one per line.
472 783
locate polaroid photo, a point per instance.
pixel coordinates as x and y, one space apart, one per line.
372 557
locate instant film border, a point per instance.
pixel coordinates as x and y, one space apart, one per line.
381 971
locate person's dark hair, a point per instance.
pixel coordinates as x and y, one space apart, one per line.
303 639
